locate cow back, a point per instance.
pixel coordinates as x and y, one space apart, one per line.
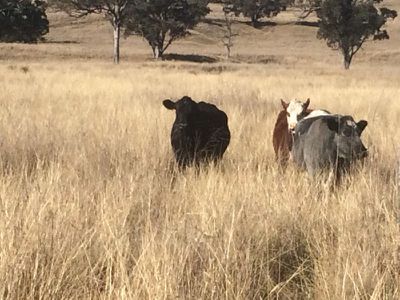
314 144
209 113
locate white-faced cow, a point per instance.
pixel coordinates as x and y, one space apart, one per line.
282 137
328 143
200 132
295 111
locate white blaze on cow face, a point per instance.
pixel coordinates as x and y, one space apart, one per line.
295 111
351 123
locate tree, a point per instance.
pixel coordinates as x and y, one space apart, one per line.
23 21
114 10
347 24
161 22
307 6
227 39
256 9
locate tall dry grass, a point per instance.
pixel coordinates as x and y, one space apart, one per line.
92 207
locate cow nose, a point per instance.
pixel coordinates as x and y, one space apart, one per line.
363 153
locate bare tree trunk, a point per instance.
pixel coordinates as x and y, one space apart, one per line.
346 64
347 60
117 36
254 21
227 39
228 51
116 22
156 52
158 49
160 45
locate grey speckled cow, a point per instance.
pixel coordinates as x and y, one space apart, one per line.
328 143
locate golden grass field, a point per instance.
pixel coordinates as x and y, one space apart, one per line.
92 207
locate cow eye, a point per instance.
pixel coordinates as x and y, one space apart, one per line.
347 132
288 114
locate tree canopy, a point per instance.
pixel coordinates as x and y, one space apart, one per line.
347 24
161 22
23 21
256 9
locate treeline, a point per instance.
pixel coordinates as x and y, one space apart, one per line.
345 24
23 20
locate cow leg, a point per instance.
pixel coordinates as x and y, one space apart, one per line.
311 164
311 170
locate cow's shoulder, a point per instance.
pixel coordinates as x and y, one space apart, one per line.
211 111
207 107
304 125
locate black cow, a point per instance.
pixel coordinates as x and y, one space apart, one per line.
330 142
200 132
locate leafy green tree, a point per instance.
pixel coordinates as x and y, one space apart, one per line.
257 9
114 10
161 22
347 24
23 21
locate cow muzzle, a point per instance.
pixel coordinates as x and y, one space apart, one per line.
292 126
363 154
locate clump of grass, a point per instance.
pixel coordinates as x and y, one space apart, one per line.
25 69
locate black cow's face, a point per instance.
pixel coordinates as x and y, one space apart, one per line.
348 137
184 108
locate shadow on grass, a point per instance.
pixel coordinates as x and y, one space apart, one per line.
59 42
189 58
260 24
307 23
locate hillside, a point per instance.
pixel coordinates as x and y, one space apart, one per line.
281 40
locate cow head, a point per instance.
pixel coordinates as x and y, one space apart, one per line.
348 137
295 111
183 108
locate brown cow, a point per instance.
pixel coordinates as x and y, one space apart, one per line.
282 137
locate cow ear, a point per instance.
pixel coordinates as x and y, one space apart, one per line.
169 104
333 124
361 125
306 104
284 104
